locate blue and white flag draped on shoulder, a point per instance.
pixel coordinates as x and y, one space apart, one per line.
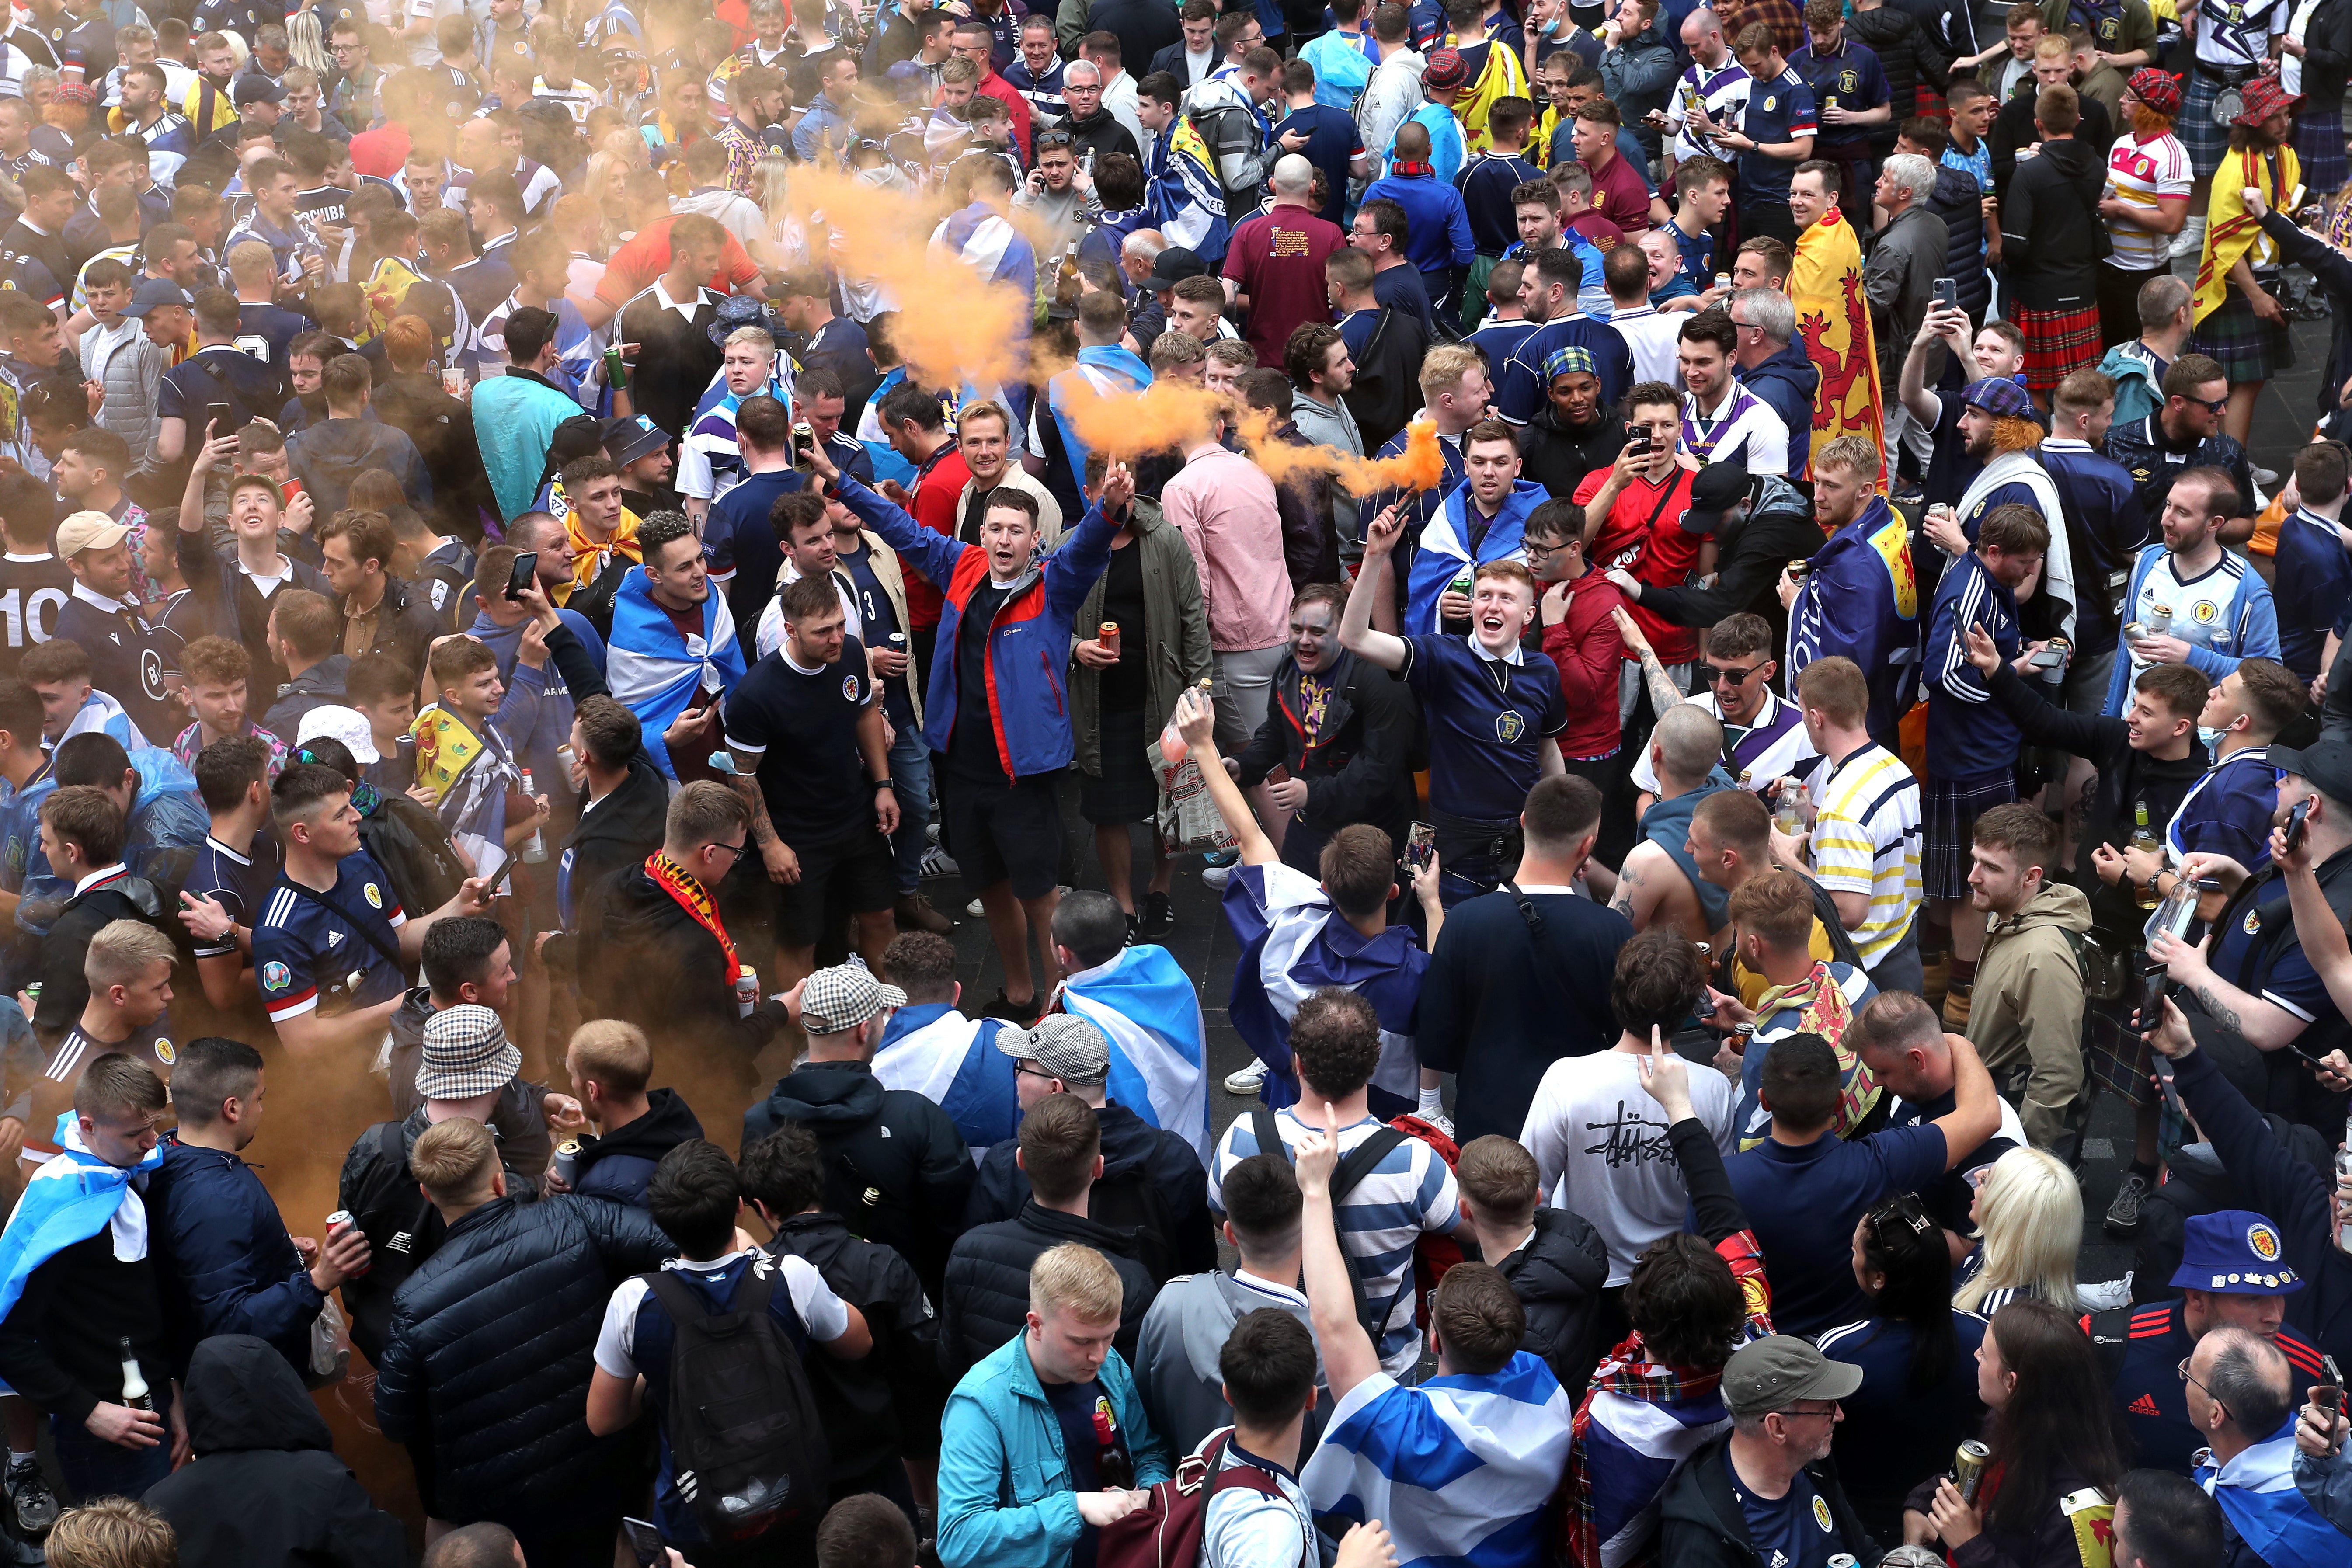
655 672
1145 1003
1293 945
69 1199
2258 1496
1459 1468
952 1061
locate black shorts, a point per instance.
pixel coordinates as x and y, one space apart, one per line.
856 868
1005 832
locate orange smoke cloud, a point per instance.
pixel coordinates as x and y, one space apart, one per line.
1420 467
1174 414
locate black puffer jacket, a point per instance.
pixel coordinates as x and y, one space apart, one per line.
493 1339
1152 1179
1778 529
619 1163
891 1143
1958 200
1558 1277
986 1299
886 1406
265 1490
1908 55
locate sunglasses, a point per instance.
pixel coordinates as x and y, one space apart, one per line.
1728 675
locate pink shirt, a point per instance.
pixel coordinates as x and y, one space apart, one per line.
1224 507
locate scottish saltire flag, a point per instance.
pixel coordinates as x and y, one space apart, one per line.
952 1061
888 464
1108 371
2258 1496
711 459
991 246
1459 1468
654 674
104 715
1294 943
1631 1449
1159 1047
69 1199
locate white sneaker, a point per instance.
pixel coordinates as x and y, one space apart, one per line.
931 832
938 862
974 910
1249 1081
2189 241
1216 876
2106 1293
1438 1120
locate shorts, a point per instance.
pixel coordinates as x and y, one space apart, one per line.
856 868
1005 832
1244 686
1948 809
1127 791
2057 343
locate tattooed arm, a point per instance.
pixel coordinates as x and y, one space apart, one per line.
775 855
1641 882
1663 693
2262 1023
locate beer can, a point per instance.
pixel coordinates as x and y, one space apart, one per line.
566 1163
1723 279
338 1221
1843 1560
747 991
1108 636
1968 1468
1461 585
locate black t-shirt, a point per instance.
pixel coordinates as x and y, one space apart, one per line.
32 591
879 618
971 751
803 725
1124 687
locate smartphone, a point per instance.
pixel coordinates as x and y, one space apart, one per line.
1948 294
526 567
1420 844
2298 824
1638 443
216 415
2163 1065
646 1541
2049 658
506 863
1278 775
2328 1395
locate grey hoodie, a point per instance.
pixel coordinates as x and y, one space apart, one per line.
1178 1347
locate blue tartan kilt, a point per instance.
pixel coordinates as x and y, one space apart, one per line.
2205 141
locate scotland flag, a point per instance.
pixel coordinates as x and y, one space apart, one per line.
1158 1053
952 1061
654 672
1459 1468
69 1199
1293 945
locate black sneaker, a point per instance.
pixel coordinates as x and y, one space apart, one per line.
1004 1007
30 1499
1158 919
1130 931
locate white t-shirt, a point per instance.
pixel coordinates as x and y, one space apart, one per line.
2139 173
1600 1148
821 1311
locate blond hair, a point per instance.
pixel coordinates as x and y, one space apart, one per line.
112 1532
1076 1279
454 1159
612 1053
1852 454
2030 1213
1443 368
122 951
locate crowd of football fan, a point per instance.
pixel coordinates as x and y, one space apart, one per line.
1689 576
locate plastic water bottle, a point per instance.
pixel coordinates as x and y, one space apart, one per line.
535 848
1173 746
2343 1172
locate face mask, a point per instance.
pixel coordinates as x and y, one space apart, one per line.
2213 738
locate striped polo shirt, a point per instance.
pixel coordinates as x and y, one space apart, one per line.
1409 1192
1866 840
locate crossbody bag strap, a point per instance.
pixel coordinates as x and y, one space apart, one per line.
365 927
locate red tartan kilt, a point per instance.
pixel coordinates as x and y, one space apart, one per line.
2057 343
1932 105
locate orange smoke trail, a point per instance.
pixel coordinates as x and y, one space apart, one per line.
1174 414
1420 467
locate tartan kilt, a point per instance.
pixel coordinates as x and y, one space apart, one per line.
1948 809
2246 347
2057 343
2319 148
2205 141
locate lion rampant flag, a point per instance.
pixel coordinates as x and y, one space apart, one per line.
1833 323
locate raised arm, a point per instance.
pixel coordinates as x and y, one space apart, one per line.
1196 722
1975 1115
1356 634
1348 1356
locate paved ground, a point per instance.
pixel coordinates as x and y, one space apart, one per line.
1205 946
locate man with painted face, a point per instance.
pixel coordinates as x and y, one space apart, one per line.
1344 731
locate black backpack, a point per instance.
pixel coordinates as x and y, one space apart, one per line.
746 1448
1353 1167
1131 1201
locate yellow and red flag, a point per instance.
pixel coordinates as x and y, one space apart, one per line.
1833 322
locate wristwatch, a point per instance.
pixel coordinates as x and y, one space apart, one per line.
884 783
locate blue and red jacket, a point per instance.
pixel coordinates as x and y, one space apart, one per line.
2147 1379
1029 644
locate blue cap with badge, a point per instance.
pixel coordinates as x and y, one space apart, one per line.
2234 1252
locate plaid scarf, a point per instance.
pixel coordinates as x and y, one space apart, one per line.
1820 1006
1629 1372
675 880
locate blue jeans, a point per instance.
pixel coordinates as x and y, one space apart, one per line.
96 1468
910 778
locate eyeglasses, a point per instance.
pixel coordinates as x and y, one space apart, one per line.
1792 1412
1021 1068
2196 1382
738 850
1546 551
1728 675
